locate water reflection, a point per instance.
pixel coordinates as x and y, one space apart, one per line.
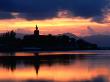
55 68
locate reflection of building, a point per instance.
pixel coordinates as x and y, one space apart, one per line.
36 32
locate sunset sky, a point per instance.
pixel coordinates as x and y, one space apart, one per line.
80 17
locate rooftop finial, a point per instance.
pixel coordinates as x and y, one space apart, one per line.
36 27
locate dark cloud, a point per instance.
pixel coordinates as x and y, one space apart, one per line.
99 19
43 9
6 15
39 16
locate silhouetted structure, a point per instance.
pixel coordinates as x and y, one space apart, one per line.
9 42
36 32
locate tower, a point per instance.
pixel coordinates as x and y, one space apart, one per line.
36 31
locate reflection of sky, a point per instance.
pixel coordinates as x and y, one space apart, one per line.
80 70
99 52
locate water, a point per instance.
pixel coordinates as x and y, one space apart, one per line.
71 66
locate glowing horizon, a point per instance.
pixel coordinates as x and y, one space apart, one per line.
75 25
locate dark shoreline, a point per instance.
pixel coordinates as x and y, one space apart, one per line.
37 51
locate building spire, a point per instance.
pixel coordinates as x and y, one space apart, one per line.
36 27
36 31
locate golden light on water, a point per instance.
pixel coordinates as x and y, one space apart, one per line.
76 72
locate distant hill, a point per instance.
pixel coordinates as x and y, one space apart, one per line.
100 40
19 35
70 35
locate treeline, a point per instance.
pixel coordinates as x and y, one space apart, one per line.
9 41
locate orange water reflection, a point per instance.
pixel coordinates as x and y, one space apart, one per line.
77 71
64 52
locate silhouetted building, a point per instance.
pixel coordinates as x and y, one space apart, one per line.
36 32
34 35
